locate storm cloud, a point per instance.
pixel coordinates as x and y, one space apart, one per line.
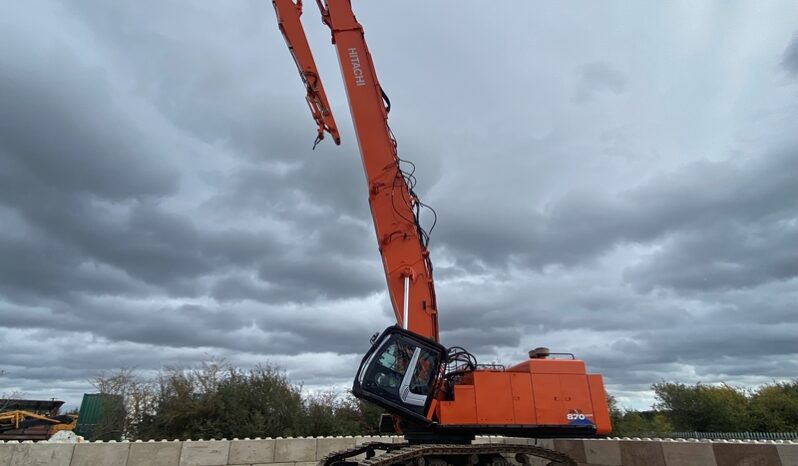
790 58
620 182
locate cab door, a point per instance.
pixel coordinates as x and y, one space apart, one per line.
399 372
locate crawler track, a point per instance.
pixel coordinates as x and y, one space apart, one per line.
434 454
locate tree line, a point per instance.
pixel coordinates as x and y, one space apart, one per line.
216 400
711 408
220 401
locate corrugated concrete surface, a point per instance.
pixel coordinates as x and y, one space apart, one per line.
307 451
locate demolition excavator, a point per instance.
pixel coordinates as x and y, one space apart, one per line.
439 398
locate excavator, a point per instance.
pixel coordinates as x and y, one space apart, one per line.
439 398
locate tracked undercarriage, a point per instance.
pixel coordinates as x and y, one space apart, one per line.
442 454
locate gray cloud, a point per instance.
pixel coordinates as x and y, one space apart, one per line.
596 78
731 256
756 195
790 57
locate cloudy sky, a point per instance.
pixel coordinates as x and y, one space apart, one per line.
617 180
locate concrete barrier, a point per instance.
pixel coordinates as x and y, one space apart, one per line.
687 453
788 454
306 451
6 452
257 451
604 452
205 453
573 448
107 454
152 453
295 450
40 454
734 454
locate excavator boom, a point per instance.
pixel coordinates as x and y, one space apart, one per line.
288 14
394 206
435 394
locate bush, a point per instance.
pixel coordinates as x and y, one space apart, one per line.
774 408
219 401
704 408
223 402
632 423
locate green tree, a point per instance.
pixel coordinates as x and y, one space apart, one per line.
260 402
703 408
217 401
320 414
129 398
774 407
632 423
180 408
660 424
364 415
616 415
327 413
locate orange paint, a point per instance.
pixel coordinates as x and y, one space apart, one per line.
537 392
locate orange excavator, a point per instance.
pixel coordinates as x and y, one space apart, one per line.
439 398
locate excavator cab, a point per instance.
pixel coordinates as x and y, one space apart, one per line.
400 372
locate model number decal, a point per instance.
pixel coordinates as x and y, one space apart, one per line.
578 418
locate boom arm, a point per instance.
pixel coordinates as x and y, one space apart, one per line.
435 394
401 241
288 14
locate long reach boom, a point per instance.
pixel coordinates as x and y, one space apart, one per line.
394 207
438 397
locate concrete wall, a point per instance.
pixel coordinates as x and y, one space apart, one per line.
307 451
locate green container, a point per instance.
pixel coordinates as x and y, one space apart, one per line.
101 417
